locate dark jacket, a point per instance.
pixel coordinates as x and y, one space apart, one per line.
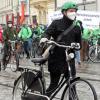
9 33
57 59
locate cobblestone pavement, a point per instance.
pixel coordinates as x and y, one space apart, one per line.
88 71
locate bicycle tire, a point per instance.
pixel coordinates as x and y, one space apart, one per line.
5 60
78 93
92 56
14 62
25 80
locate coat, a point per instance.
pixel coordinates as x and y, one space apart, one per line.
57 59
9 33
25 33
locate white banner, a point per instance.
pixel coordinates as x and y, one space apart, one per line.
89 19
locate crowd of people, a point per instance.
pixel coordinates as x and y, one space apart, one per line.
24 33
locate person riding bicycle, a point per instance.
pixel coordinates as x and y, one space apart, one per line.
25 35
37 31
9 34
57 59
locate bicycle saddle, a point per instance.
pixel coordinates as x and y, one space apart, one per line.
39 60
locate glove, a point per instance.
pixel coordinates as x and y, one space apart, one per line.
75 45
43 40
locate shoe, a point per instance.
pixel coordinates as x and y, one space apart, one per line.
79 64
28 57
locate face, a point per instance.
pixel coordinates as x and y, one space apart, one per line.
9 25
70 13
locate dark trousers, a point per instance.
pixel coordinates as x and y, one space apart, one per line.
54 80
26 48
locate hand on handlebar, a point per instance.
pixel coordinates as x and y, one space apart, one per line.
75 45
43 40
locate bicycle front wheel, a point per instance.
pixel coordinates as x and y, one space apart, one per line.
24 88
79 89
14 62
94 53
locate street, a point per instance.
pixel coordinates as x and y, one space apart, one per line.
88 70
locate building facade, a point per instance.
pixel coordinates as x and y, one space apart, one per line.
38 10
7 10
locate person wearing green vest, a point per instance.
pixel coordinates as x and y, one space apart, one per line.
37 31
25 35
96 35
87 33
9 34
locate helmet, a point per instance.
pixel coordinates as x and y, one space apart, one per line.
69 5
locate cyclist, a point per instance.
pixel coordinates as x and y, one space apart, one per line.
57 59
9 34
37 31
25 34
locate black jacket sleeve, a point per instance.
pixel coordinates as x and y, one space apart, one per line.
50 30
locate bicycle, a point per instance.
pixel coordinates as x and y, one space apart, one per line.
11 56
31 83
94 52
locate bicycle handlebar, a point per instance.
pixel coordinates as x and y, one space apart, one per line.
72 46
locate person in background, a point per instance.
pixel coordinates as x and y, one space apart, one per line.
9 34
85 43
37 31
57 63
1 44
77 52
25 35
1 32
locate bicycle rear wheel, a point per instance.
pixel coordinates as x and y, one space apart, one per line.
20 91
94 53
79 89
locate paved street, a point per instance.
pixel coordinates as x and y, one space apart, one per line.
89 71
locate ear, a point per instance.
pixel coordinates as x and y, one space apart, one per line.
64 12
